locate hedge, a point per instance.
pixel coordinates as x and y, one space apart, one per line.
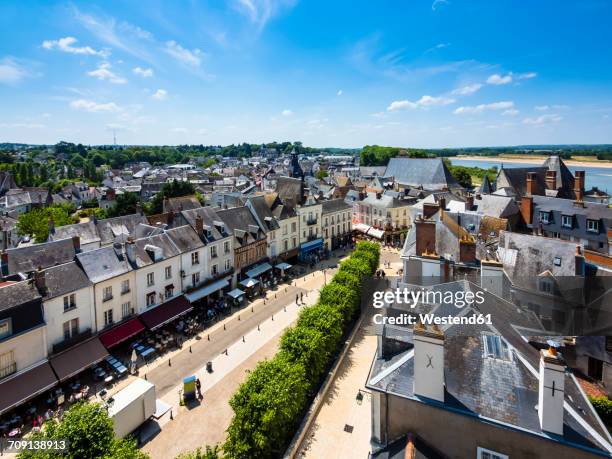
603 406
269 405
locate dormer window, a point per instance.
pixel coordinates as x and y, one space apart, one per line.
567 221
495 347
593 226
545 285
545 217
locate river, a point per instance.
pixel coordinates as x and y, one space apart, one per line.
599 177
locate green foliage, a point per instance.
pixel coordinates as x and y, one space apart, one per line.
211 452
36 221
603 406
125 204
321 174
268 405
89 432
370 247
375 155
345 299
266 409
173 189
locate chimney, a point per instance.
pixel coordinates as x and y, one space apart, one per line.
3 261
551 180
166 205
531 183
429 362
551 391
492 277
199 225
527 209
425 237
139 208
579 258
467 250
76 242
39 280
51 225
429 209
442 203
579 186
110 194
129 250
469 202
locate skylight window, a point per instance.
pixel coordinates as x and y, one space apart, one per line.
557 261
496 347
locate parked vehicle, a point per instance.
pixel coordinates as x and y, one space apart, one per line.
132 406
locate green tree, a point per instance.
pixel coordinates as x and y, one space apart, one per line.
36 222
173 189
125 204
321 174
266 410
344 299
210 452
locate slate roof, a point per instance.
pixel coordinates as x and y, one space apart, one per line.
515 178
142 257
87 232
21 302
181 203
241 223
289 190
45 255
63 279
498 390
7 223
185 238
334 205
430 173
370 171
495 206
104 263
209 216
263 213
17 293
110 228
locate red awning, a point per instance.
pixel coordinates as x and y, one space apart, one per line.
121 332
166 312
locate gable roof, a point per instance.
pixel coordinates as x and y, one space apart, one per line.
45 255
87 232
430 173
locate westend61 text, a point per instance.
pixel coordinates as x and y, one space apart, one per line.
431 319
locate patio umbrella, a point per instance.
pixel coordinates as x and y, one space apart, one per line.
134 356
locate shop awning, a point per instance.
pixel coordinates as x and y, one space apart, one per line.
236 293
76 359
361 227
283 266
259 270
307 246
206 290
166 312
378 234
121 332
18 389
249 282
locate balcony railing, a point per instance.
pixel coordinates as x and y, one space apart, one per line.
8 369
311 221
69 342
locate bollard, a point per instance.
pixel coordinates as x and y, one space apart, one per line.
238 316
275 296
252 310
258 327
190 350
285 308
272 317
171 417
223 326
146 377
226 351
243 338
169 363
209 337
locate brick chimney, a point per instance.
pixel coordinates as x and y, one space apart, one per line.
39 280
429 209
579 258
425 236
531 183
429 362
579 186
442 202
551 391
551 180
199 225
469 202
467 250
110 194
527 209
76 242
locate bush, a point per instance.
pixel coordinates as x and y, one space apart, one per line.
370 247
266 409
368 257
344 299
208 453
603 406
348 280
356 266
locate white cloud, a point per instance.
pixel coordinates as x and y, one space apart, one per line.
498 79
192 57
467 90
503 105
339 93
260 12
145 73
510 112
66 45
543 119
94 107
526 76
541 108
160 94
286 112
437 3
12 72
423 102
104 72
180 130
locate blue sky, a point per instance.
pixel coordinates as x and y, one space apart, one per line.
418 73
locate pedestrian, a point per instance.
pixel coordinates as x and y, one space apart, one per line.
301 297
296 298
199 388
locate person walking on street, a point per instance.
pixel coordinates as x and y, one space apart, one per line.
199 388
296 298
301 297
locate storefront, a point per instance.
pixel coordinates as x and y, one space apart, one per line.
121 333
211 291
18 389
236 297
251 287
311 251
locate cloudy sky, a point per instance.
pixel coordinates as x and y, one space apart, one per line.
420 73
